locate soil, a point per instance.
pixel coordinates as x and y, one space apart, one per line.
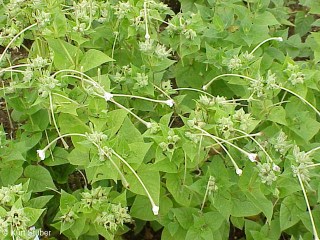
8 126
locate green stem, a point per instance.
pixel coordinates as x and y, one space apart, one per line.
55 123
315 234
14 38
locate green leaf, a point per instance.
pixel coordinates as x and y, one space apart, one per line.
260 201
78 226
78 157
93 58
102 172
40 178
39 202
33 214
241 207
65 54
11 172
185 216
180 193
150 179
266 18
71 123
138 151
129 133
115 120
290 210
60 157
277 115
67 201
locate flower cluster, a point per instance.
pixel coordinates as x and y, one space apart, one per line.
69 217
226 127
113 218
47 84
42 18
122 9
302 160
212 186
159 51
183 24
104 152
261 85
243 119
96 137
170 144
295 74
193 137
122 74
280 143
142 80
234 63
90 199
267 172
239 120
8 195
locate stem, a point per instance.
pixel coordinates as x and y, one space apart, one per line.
163 92
13 39
138 178
139 97
312 150
312 165
205 196
55 123
147 124
253 139
185 169
124 180
193 89
84 178
315 234
222 140
301 98
8 69
47 138
279 39
217 140
229 155
85 136
205 87
62 136
160 20
60 95
89 79
147 36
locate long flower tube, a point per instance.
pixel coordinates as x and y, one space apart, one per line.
155 208
252 156
13 39
42 153
205 87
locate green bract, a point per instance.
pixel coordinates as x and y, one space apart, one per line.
196 120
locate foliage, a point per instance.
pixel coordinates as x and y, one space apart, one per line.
121 113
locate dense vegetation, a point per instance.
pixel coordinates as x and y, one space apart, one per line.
193 120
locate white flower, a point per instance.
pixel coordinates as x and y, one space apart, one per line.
252 157
238 171
41 154
107 96
276 168
149 125
280 39
169 102
155 209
